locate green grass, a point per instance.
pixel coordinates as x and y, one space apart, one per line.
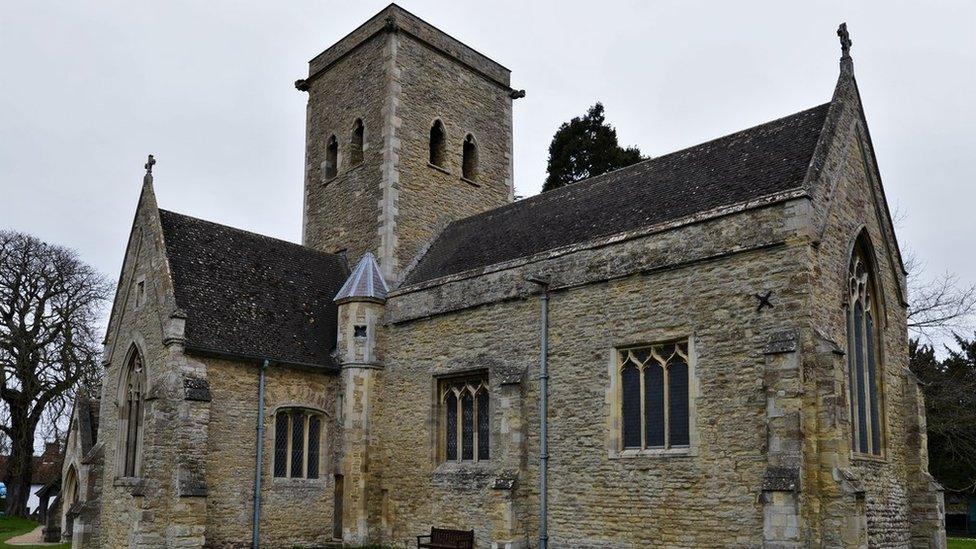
962 543
12 527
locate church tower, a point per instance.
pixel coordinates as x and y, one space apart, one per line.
407 130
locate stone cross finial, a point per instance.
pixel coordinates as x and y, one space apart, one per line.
149 165
845 40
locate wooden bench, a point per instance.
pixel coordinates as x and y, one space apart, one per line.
442 538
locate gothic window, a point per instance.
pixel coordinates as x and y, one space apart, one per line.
133 402
654 397
297 443
331 158
862 356
465 417
356 144
437 144
469 159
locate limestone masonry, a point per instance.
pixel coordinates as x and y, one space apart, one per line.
727 339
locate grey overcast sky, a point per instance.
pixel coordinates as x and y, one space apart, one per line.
90 87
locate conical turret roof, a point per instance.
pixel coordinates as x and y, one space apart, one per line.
366 282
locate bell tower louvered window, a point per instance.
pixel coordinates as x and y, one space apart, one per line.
465 418
654 397
862 356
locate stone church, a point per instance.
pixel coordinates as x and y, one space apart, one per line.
721 331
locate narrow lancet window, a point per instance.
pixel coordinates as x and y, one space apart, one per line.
862 360
437 144
132 415
356 144
469 160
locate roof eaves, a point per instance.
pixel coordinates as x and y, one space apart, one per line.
598 242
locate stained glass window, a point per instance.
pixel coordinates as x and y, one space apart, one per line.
297 443
281 445
135 383
313 446
450 426
863 361
465 418
654 397
631 413
483 425
467 426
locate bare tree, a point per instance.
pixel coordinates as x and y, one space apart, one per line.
50 303
941 306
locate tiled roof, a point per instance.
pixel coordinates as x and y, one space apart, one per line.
251 296
740 167
46 467
366 281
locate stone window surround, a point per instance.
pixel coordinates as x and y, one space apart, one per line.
140 292
325 470
437 419
136 346
474 383
861 244
614 400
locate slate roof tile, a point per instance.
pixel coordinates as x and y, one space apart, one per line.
760 161
252 296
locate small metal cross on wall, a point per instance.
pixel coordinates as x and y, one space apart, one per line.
764 300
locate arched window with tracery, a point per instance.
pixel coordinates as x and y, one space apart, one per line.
469 159
863 359
655 397
465 417
438 147
132 412
356 143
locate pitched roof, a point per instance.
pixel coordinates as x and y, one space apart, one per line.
743 166
45 467
366 281
251 296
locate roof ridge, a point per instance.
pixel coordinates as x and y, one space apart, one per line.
249 233
590 182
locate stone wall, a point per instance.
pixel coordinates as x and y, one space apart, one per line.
293 511
399 74
435 87
164 505
849 199
343 213
697 281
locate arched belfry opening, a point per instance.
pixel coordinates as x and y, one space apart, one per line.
331 158
438 146
356 143
469 159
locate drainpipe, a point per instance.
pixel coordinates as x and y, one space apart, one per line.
543 281
258 460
